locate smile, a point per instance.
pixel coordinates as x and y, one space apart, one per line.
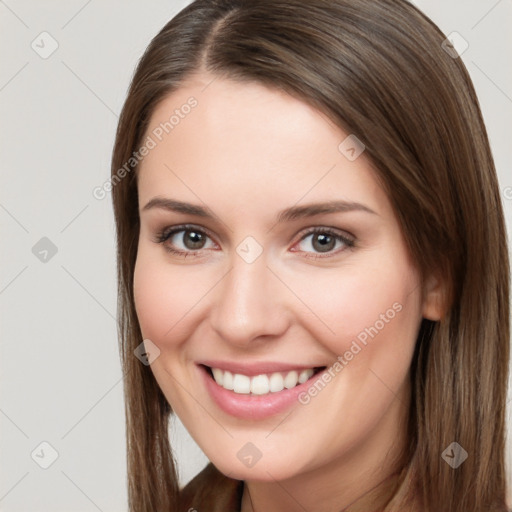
262 384
256 392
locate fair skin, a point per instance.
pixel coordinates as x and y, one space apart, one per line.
246 153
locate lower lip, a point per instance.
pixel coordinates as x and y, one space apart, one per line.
253 407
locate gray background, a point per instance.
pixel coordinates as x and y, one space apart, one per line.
59 365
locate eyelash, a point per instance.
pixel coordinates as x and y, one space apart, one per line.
164 235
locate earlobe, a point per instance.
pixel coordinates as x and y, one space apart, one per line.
434 299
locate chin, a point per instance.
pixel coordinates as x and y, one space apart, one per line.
269 468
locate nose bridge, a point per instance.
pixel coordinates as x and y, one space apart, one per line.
247 304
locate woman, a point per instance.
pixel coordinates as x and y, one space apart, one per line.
312 262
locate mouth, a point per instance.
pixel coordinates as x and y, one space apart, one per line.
256 391
263 383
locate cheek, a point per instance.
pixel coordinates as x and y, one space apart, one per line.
164 317
151 304
159 308
364 306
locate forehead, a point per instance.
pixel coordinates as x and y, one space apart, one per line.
217 138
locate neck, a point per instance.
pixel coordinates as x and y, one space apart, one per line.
363 481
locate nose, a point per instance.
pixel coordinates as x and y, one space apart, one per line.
249 304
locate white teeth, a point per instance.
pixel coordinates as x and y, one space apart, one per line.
241 384
276 382
260 384
227 380
305 375
290 381
217 375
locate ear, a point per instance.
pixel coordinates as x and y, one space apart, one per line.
434 298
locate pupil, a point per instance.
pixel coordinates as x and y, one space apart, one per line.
323 243
193 240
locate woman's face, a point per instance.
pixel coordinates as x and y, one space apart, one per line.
268 251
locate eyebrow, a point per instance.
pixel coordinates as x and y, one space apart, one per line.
289 214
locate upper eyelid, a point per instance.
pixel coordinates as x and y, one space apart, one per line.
186 227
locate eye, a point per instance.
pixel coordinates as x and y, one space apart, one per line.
185 240
189 240
324 241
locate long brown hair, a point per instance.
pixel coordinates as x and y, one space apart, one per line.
378 69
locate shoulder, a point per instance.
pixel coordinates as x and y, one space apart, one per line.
211 490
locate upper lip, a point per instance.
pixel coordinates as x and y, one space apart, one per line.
257 368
